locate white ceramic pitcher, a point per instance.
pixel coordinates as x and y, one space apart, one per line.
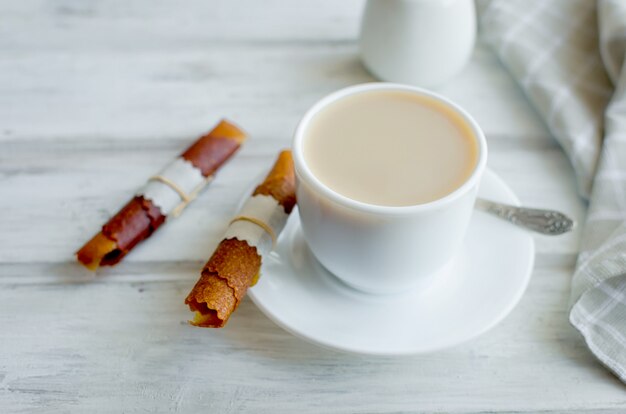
419 42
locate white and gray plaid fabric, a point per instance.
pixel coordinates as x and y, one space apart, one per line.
569 58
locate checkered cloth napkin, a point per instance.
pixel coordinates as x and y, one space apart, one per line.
569 58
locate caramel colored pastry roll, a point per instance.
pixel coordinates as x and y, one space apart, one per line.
236 263
165 194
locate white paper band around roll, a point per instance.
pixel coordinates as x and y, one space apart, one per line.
264 210
174 187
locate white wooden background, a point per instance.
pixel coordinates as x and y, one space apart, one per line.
97 95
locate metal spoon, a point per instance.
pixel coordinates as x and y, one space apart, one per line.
548 222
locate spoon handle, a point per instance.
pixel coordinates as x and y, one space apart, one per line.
548 222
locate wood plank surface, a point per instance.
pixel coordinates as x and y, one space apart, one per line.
97 96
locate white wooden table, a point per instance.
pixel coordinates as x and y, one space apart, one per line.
97 96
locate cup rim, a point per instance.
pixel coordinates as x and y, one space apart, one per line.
307 175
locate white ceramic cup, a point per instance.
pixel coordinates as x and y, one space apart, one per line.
419 42
382 249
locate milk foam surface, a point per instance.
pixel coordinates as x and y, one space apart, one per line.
390 148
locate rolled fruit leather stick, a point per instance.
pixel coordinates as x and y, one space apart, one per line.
165 194
251 235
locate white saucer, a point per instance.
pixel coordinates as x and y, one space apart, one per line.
475 293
